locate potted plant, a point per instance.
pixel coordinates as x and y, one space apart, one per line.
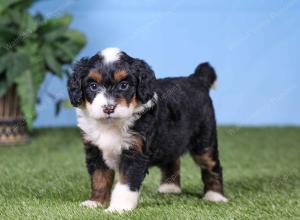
30 47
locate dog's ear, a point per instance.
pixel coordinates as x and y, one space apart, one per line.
145 77
80 69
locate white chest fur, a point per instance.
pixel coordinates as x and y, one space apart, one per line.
110 136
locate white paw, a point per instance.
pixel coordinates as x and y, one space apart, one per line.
169 188
214 197
90 204
122 199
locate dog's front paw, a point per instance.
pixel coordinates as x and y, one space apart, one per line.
123 199
90 204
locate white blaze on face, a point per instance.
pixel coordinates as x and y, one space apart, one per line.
95 108
110 55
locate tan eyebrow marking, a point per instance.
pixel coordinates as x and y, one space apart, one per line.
120 74
95 75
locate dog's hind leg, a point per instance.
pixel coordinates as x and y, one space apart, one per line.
205 154
170 177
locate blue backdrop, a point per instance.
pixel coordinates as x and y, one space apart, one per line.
254 46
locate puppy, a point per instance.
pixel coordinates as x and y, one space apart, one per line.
131 121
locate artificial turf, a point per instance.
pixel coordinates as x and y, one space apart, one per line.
47 179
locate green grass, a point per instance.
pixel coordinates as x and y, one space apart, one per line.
47 179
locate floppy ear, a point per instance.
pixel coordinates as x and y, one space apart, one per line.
145 77
80 69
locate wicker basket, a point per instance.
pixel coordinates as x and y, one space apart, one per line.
12 123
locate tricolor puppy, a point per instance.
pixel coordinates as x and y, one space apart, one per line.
131 121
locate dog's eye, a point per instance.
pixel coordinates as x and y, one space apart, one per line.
93 86
123 86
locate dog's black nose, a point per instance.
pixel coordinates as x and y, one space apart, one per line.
108 109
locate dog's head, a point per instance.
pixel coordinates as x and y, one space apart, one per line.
111 84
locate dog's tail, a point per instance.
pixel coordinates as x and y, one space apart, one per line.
206 73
